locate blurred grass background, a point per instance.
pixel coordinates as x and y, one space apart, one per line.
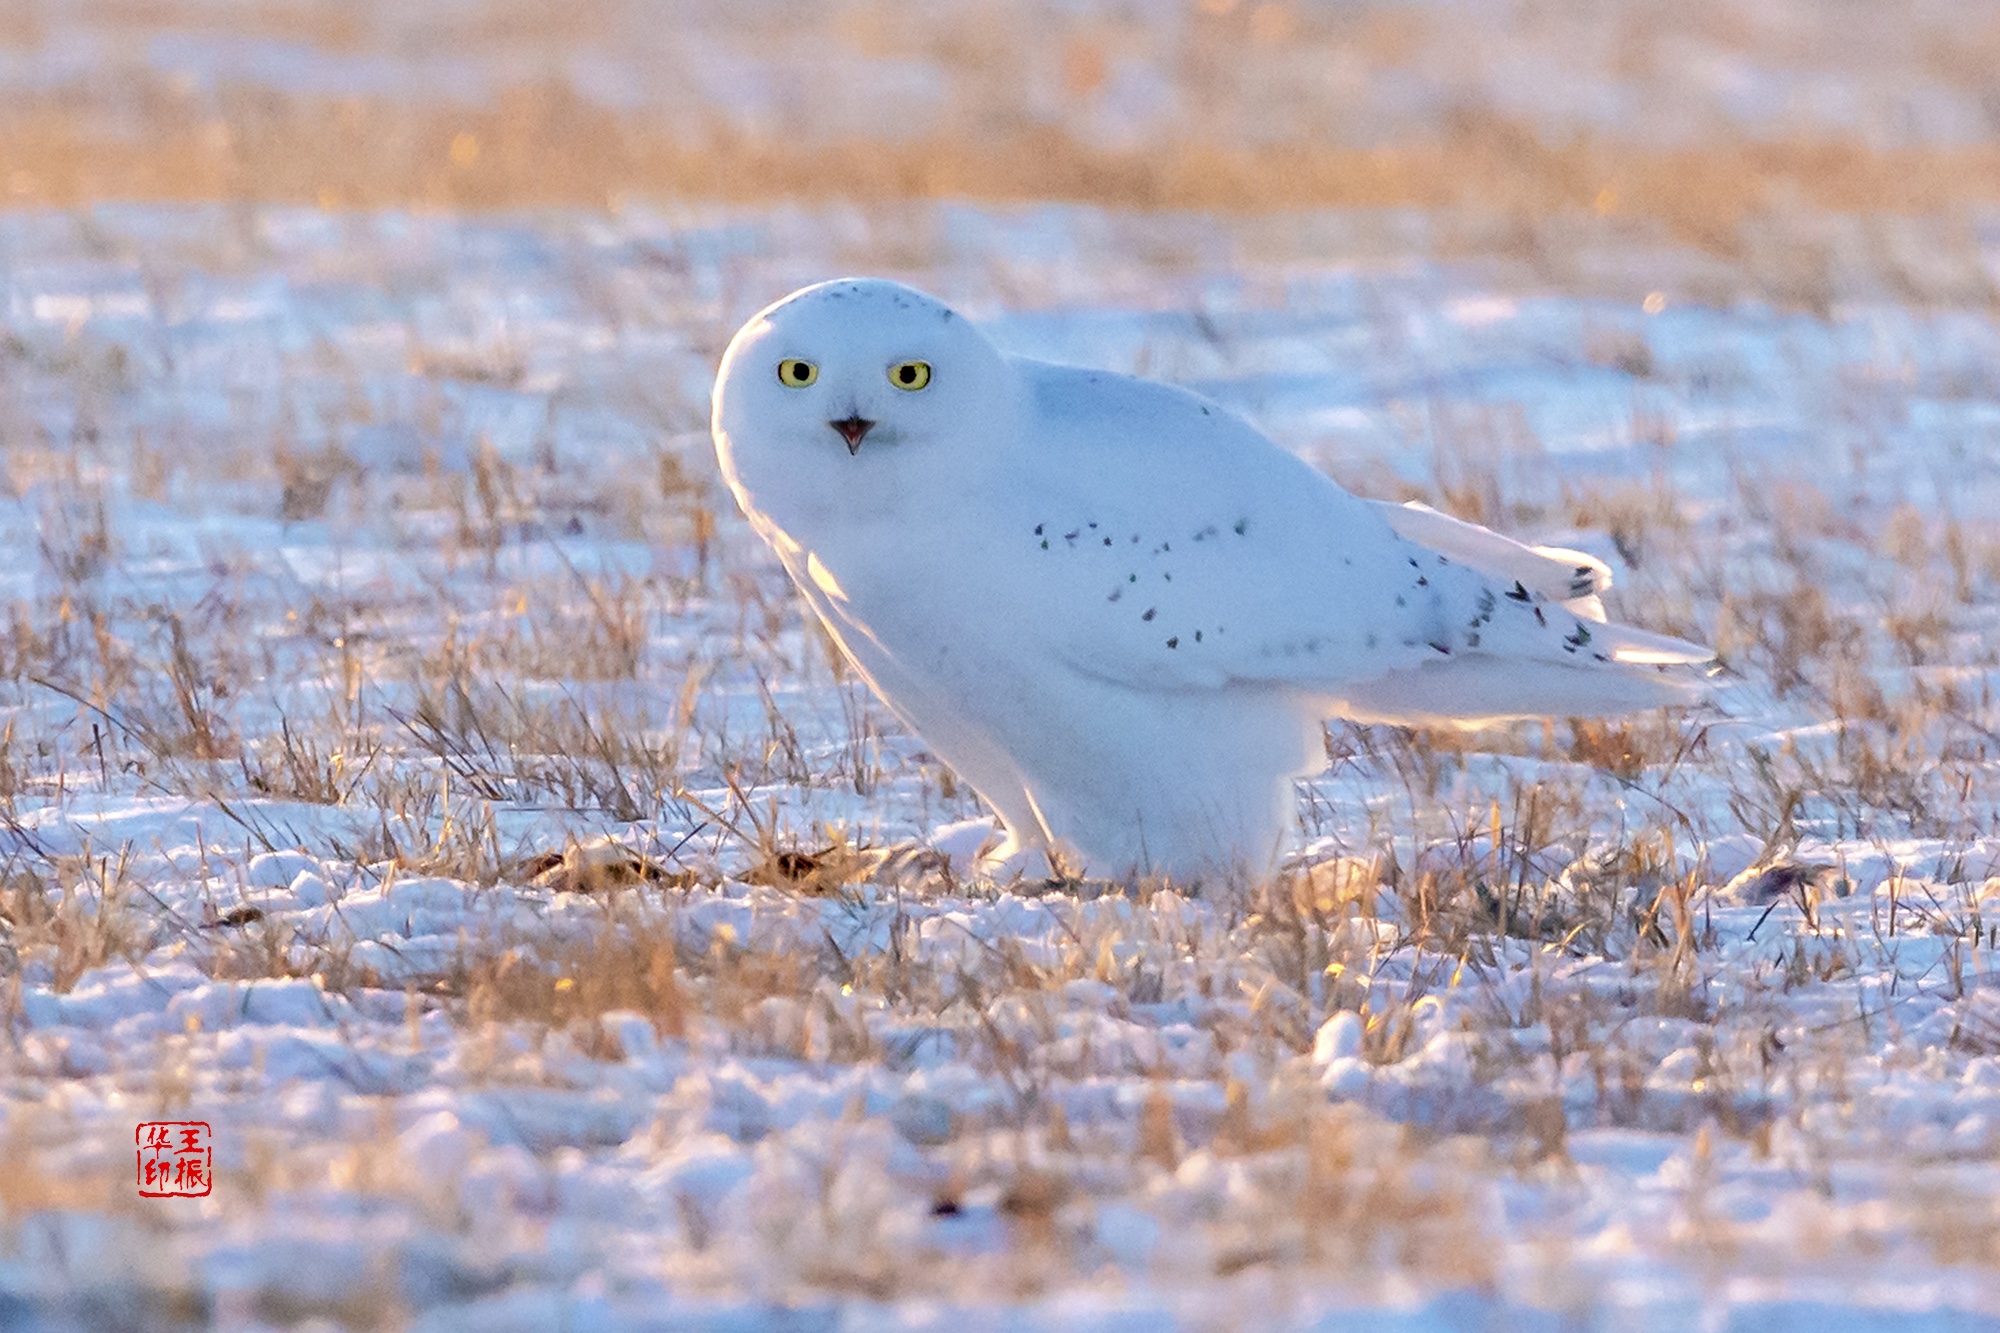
1698 118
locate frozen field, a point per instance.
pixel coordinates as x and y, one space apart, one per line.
364 572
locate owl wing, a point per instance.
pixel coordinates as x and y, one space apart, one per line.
1172 546
1574 578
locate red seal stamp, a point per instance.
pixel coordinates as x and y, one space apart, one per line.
174 1159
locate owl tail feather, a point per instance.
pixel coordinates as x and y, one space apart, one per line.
1473 690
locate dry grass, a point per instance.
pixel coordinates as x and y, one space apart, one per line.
543 147
1275 111
67 914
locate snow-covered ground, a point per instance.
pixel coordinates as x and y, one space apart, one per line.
411 766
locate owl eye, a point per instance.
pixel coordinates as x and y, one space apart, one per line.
910 375
796 374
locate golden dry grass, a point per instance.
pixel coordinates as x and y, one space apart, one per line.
136 131
544 147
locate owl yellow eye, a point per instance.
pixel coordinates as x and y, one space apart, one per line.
795 373
911 375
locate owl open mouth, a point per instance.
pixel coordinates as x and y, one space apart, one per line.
852 429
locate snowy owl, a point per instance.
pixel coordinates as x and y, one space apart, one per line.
1119 612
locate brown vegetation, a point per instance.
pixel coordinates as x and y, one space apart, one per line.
1277 109
542 146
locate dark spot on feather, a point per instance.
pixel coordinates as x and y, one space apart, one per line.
1151 611
1520 594
1174 642
1242 526
1116 593
1541 619
1107 541
1197 636
1443 648
1038 529
1423 582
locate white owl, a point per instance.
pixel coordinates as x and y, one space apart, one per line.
1115 609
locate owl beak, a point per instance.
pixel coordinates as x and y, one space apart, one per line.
851 429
